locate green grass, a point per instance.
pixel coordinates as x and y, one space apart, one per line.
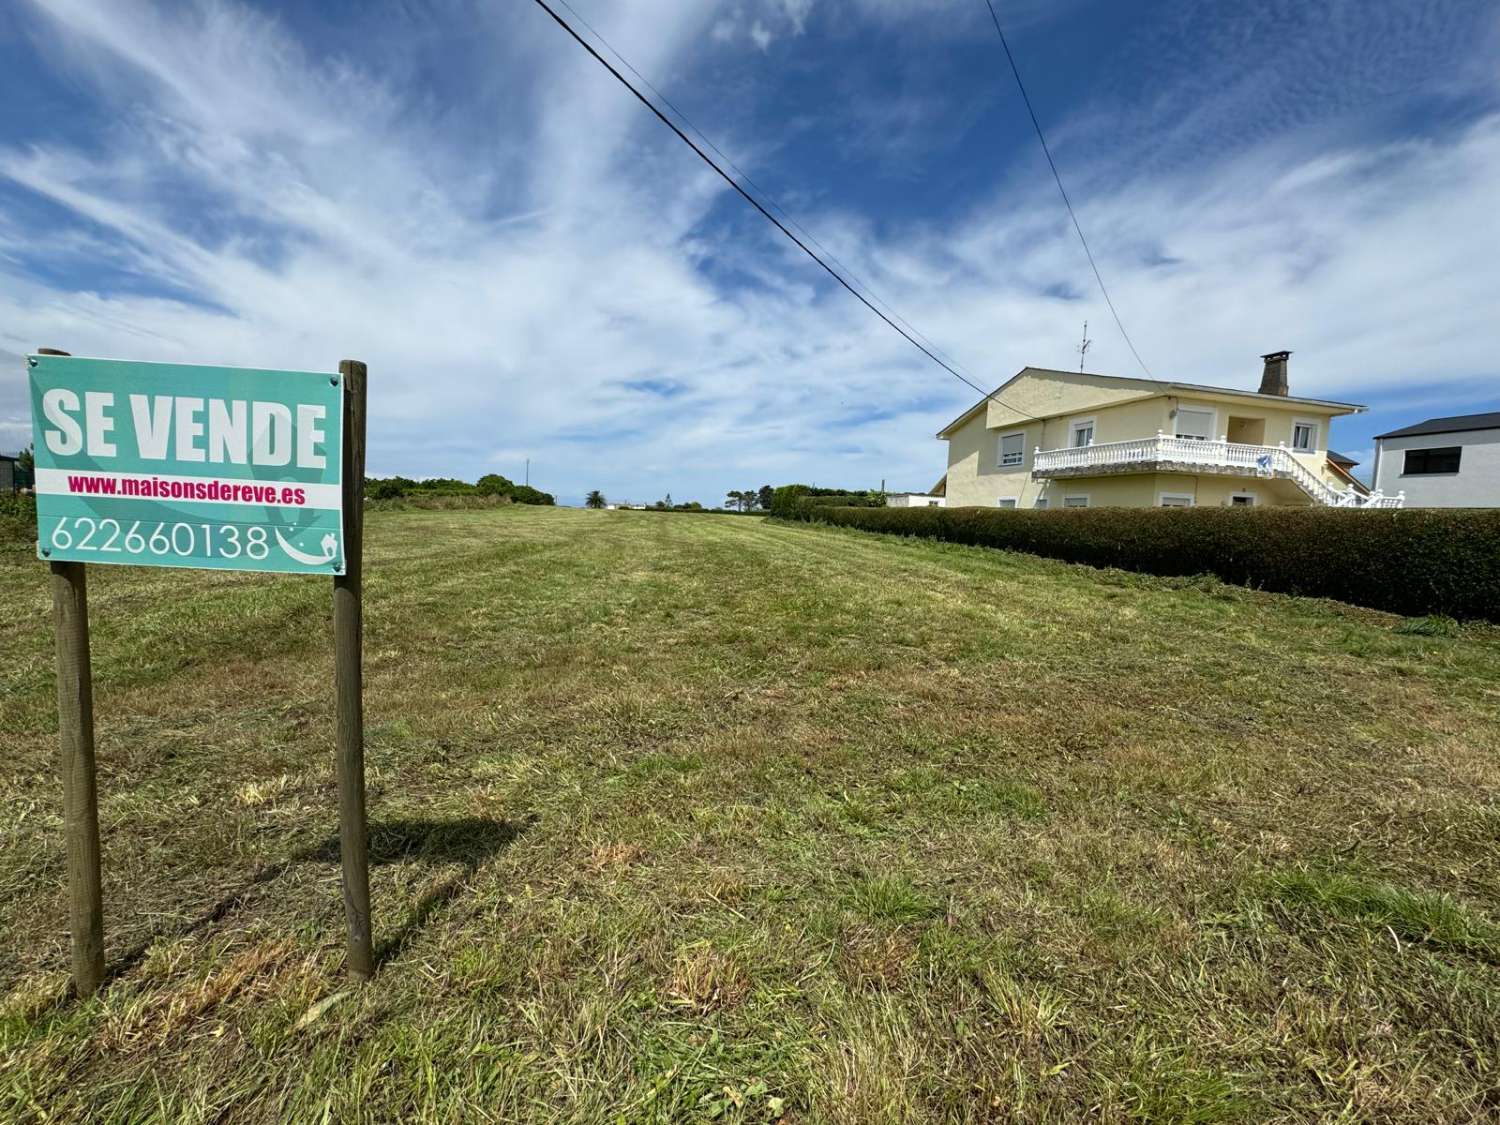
681 819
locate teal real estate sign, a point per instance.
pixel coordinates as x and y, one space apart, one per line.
156 464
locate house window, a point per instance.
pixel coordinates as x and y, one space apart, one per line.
1176 500
1041 503
1006 502
934 504
1081 433
1420 462
1012 449
1196 424
1242 500
1075 501
1304 436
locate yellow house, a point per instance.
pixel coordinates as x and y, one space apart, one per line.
1065 439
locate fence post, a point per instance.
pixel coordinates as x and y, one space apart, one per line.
354 846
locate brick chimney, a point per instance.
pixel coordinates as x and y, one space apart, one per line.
1273 381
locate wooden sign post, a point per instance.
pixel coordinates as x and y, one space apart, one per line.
348 630
75 729
227 493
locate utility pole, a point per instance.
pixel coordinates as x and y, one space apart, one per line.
528 472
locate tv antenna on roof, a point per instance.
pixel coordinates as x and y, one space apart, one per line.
1083 346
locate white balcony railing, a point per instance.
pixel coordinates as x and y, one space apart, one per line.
1223 455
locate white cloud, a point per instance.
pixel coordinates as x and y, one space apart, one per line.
797 12
524 299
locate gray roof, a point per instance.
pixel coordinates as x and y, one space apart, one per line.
1340 459
1456 424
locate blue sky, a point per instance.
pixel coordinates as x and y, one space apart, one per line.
533 267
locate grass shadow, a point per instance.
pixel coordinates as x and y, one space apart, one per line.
469 841
216 913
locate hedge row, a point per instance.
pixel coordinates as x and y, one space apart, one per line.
1413 562
793 494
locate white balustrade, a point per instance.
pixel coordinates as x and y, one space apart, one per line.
1263 460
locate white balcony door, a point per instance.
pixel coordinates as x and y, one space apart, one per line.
1195 424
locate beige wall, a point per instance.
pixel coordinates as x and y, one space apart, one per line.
1043 394
1210 491
974 479
1145 490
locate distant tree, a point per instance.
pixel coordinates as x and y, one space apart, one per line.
26 460
668 502
388 488
525 494
493 484
764 496
595 499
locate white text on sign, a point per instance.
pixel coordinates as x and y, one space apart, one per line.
187 428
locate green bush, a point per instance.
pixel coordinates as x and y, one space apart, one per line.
18 506
17 517
1416 562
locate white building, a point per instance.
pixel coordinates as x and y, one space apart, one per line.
1442 462
937 498
913 500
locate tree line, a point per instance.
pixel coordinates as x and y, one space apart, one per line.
748 500
762 499
491 484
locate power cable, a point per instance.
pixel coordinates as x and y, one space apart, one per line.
1068 203
750 199
763 193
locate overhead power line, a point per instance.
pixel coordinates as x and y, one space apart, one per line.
909 336
765 195
1068 203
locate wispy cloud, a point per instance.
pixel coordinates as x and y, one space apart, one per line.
550 275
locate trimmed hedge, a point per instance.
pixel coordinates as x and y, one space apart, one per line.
1412 562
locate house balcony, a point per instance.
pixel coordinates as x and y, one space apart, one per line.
1166 454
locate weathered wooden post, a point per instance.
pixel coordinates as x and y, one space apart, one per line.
75 728
348 678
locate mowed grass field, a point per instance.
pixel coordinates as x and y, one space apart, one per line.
680 818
